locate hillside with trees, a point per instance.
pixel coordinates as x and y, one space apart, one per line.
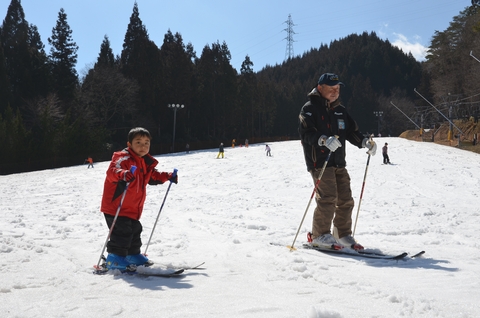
50 117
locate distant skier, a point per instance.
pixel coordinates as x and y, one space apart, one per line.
90 162
220 151
268 150
386 159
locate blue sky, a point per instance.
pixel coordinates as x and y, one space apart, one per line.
254 28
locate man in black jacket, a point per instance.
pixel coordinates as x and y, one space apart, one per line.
386 159
324 127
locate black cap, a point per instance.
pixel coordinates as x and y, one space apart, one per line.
329 79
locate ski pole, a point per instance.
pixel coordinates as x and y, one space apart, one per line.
158 215
291 247
132 170
361 193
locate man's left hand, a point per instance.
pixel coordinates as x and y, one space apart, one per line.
371 146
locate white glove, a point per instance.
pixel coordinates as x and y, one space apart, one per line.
370 145
332 143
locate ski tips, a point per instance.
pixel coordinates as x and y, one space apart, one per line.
291 248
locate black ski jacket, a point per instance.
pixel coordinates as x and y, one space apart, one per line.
320 117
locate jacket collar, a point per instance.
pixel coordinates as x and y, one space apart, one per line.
147 159
315 95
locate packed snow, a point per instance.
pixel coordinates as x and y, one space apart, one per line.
226 212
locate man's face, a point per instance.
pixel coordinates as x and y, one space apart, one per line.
330 93
140 145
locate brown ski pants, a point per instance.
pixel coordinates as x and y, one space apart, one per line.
334 202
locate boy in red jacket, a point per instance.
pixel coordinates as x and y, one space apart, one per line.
124 244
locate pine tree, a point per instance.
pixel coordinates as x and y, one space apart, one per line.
14 38
217 92
63 57
134 43
140 61
41 79
246 98
449 63
13 134
177 66
105 57
5 94
176 84
107 96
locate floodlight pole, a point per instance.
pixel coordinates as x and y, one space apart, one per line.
175 107
379 118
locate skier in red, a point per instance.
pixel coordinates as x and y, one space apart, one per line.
124 245
90 162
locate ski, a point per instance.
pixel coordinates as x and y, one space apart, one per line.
351 252
186 268
148 270
418 254
199 266
366 253
155 272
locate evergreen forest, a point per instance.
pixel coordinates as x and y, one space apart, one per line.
50 117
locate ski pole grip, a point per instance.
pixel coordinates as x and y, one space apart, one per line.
174 175
132 169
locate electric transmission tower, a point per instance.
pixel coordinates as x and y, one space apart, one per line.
289 38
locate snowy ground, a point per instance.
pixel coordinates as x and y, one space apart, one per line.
225 212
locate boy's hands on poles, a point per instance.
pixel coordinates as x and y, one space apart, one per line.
173 178
128 176
332 143
370 145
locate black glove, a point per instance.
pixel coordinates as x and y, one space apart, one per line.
173 178
128 176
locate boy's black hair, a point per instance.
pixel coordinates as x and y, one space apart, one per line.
138 131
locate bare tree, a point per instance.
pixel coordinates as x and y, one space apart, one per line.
40 108
108 97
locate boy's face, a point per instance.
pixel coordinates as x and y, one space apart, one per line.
140 145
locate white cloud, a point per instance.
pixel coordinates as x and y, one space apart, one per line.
417 49
382 33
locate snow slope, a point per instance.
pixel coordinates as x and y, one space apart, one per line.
226 212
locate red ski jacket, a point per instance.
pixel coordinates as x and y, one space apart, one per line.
114 186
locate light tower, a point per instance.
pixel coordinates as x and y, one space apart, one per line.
175 107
